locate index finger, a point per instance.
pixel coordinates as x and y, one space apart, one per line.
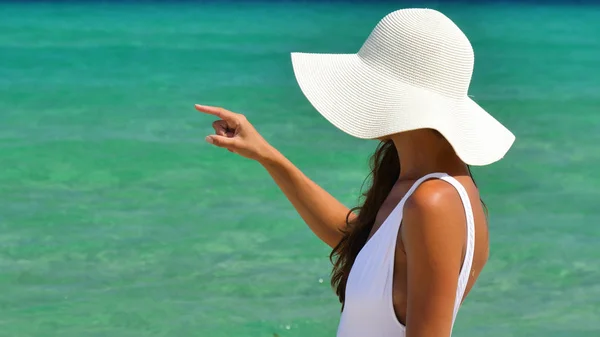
215 111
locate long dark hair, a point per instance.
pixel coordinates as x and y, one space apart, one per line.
385 170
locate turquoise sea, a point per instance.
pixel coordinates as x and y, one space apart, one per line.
117 219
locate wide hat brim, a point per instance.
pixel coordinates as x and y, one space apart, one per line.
367 104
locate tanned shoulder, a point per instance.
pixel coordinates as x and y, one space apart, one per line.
433 233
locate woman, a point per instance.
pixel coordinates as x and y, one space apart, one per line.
407 257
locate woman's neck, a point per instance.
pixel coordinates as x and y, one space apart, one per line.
425 151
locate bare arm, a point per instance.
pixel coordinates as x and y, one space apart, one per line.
322 212
433 232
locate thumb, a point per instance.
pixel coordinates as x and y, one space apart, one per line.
221 141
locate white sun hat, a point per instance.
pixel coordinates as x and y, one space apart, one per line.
413 72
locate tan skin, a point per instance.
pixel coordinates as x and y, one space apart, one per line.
431 245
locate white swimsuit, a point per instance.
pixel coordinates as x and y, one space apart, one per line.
368 308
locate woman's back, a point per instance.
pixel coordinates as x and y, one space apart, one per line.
376 294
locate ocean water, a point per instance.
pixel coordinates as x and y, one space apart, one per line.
117 219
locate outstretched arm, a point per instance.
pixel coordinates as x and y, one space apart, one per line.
325 215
